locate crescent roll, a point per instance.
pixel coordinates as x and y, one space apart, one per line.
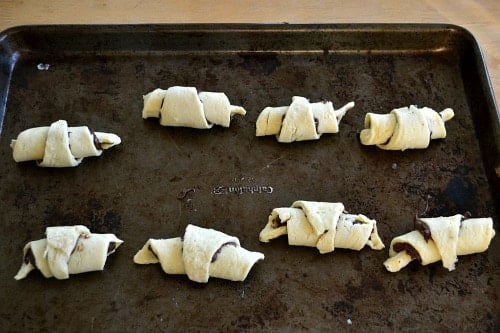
67 250
323 225
60 146
405 128
440 238
185 107
301 120
201 253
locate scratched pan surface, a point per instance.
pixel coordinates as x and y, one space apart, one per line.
160 179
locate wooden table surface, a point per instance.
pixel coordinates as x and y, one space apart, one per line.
480 17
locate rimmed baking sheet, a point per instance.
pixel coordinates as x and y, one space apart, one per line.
160 179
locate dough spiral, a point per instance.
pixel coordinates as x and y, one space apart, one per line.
201 253
185 107
405 128
60 146
67 250
440 239
301 120
323 225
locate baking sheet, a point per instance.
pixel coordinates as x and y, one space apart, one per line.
160 179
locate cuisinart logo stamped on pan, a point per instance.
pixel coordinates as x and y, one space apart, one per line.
252 189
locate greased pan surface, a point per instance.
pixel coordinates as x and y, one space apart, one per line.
160 179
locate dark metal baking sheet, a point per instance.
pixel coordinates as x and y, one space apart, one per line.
160 179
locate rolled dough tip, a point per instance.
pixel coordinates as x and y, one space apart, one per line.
447 114
397 262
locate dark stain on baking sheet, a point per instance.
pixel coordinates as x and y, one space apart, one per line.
160 179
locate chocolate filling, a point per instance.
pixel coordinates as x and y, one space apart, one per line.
29 258
111 247
371 233
423 228
153 252
76 244
316 124
97 144
410 250
276 222
356 221
216 254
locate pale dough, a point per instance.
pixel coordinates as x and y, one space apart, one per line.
67 250
201 253
60 146
405 128
185 107
323 225
301 120
451 237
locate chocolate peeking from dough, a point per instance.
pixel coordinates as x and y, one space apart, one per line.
357 221
410 250
372 233
276 223
423 228
216 254
111 247
97 144
149 248
29 258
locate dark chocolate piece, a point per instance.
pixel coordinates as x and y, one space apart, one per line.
276 222
151 249
423 228
111 247
29 258
410 250
97 144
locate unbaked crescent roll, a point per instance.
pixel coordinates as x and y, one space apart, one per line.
440 238
67 250
60 146
185 107
323 225
201 253
301 120
405 128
